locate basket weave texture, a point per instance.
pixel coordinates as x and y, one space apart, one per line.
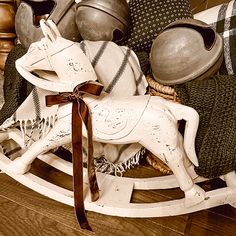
156 89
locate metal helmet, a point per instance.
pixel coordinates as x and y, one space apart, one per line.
186 49
29 12
105 20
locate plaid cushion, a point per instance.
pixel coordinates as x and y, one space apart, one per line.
149 17
223 19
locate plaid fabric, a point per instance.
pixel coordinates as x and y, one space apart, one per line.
32 117
124 70
124 77
223 19
123 67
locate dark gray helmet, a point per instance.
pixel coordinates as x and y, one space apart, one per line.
105 20
62 12
186 49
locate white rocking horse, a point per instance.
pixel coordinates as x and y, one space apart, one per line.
148 120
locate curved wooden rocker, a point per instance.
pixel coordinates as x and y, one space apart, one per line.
158 116
116 191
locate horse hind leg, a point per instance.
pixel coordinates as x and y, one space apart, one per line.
193 193
174 159
59 135
162 139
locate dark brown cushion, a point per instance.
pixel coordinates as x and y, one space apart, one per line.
149 17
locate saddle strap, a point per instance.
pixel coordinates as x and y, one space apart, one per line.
80 113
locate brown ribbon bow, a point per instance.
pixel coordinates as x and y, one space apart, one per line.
80 113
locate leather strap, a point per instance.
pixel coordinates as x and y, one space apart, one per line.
80 113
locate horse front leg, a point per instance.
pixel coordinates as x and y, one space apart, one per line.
59 135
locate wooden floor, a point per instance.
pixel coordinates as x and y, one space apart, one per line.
24 212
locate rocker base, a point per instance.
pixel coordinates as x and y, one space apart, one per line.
116 192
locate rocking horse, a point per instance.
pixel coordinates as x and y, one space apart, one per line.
148 120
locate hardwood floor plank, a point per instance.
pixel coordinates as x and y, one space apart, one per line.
209 223
17 220
34 201
206 222
129 226
196 230
226 211
101 224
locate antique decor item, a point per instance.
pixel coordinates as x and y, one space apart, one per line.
186 49
102 20
7 29
62 12
149 120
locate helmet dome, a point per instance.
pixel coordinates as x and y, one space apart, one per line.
102 20
185 50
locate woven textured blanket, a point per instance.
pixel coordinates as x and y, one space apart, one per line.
215 101
15 87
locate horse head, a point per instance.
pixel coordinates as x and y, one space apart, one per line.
56 60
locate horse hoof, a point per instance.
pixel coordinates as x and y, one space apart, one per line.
18 167
3 136
194 196
233 203
230 179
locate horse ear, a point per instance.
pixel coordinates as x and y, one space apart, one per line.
49 30
54 28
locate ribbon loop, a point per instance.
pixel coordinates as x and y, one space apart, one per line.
72 97
89 87
80 113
